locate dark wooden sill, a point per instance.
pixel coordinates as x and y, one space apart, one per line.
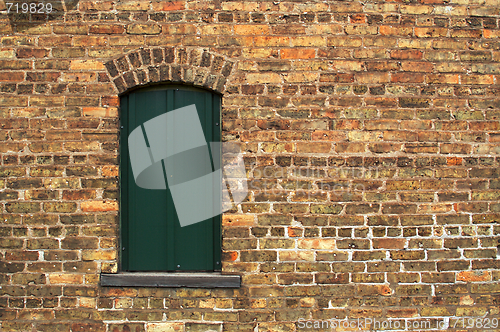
170 279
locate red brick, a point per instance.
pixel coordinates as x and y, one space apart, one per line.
389 243
95 206
474 276
406 54
168 6
297 53
407 78
12 76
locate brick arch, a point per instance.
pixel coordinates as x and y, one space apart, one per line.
146 66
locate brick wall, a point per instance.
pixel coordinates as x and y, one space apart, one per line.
370 132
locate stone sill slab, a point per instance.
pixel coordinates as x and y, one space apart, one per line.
173 279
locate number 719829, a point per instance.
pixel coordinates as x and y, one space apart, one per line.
29 7
476 323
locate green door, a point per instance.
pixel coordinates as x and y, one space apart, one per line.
152 238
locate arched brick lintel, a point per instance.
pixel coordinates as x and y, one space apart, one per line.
145 66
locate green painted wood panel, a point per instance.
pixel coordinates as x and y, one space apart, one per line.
151 236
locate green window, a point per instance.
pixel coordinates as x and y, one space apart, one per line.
152 238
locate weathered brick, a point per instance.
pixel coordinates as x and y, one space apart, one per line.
369 132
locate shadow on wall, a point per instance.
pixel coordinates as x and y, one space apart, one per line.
26 14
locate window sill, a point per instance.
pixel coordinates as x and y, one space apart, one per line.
173 279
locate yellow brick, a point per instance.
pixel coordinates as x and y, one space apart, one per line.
308 41
123 303
200 41
254 78
168 5
46 101
104 52
370 54
224 303
430 32
216 29
296 256
86 65
435 311
435 208
88 302
415 10
450 67
348 7
94 255
387 30
364 136
30 29
310 7
472 2
109 267
201 5
28 112
300 77
413 43
90 41
477 79
258 303
73 29
316 244
496 56
246 65
259 53
235 41
345 41
240 101
126 40
250 30
110 171
165 327
5 28
79 77
474 311
99 206
179 29
240 6
143 29
378 41
65 278
312 65
343 66
18 40
100 112
207 303
238 220
325 29
163 40
449 44
360 30
380 8
132 5
307 302
450 10
372 78
11 101
269 41
7 53
91 279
